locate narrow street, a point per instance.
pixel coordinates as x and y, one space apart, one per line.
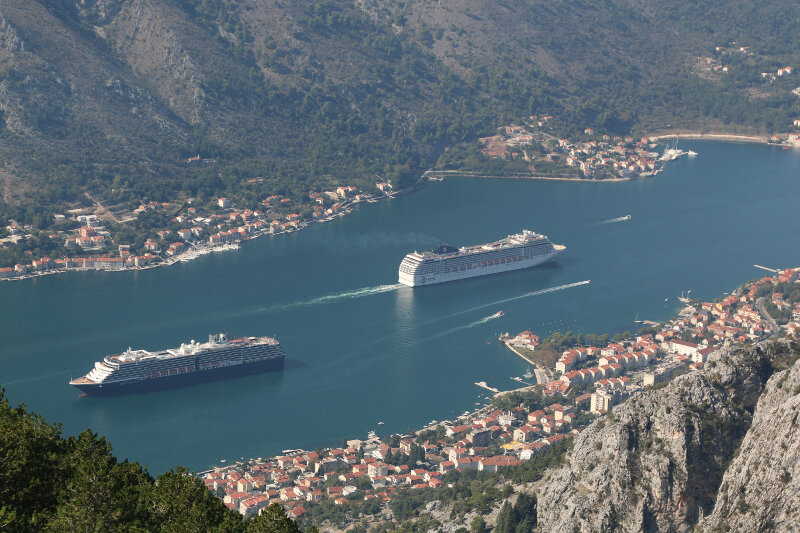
767 317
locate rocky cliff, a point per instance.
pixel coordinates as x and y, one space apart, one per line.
666 458
760 490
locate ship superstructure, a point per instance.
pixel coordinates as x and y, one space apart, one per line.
447 263
142 370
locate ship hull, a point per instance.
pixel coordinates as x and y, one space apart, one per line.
179 380
417 280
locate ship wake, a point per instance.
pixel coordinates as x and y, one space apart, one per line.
333 298
526 295
615 220
350 295
486 319
472 324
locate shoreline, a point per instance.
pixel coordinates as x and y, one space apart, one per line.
524 358
722 137
467 174
199 249
196 250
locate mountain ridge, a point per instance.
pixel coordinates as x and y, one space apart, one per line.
111 96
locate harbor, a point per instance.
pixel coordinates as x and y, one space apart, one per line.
359 348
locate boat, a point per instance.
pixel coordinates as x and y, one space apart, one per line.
684 299
498 314
627 217
671 153
136 371
448 263
691 153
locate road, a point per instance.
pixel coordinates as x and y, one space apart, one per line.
101 209
765 315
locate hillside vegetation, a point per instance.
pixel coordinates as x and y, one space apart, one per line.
111 97
48 483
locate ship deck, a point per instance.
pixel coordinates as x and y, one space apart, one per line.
82 381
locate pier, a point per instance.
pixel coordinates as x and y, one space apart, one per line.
767 269
484 385
524 357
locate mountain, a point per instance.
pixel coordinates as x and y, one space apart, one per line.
111 97
762 482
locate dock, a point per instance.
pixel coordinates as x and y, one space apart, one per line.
767 269
526 359
484 385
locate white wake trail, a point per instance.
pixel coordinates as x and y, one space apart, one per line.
366 291
331 298
618 219
498 302
526 295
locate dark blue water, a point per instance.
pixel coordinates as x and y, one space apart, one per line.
362 350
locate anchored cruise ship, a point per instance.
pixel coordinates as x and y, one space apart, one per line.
447 263
220 357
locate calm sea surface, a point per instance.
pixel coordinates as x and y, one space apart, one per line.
361 349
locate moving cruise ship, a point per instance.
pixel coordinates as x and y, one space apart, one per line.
142 371
447 263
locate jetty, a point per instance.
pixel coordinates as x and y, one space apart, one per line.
484 385
523 356
767 269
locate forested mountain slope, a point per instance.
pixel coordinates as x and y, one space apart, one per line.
112 96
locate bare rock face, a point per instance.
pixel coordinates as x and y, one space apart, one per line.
146 34
657 462
761 488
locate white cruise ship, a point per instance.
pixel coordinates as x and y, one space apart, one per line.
446 263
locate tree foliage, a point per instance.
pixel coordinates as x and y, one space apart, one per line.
54 484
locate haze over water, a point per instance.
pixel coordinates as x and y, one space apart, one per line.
361 349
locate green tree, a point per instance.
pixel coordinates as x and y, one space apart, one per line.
478 525
274 520
99 493
179 502
30 467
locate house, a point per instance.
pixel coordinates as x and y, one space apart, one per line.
491 464
446 466
683 347
480 437
224 203
468 463
526 434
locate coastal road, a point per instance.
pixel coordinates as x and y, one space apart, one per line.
766 316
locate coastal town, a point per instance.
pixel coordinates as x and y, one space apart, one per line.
592 155
363 477
192 232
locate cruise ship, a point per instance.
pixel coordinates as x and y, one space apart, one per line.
447 263
140 370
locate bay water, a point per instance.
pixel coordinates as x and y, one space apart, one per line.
360 348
